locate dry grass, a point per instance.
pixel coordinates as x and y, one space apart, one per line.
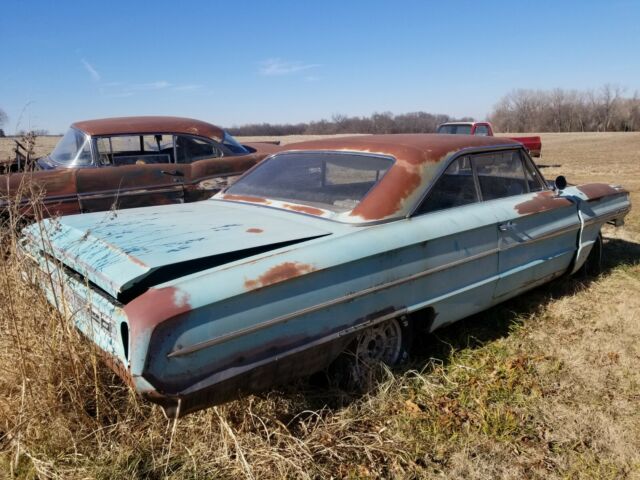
544 386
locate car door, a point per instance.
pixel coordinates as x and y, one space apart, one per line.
460 245
134 171
537 229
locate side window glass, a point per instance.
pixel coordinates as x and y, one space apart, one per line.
135 149
454 188
536 184
190 149
482 130
500 174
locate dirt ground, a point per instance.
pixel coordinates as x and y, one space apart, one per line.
544 386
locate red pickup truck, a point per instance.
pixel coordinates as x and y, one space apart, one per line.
533 144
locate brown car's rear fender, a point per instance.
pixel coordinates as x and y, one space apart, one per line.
57 189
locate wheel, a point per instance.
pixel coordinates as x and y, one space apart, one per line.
386 343
593 264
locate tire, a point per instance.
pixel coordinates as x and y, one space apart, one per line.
592 266
387 343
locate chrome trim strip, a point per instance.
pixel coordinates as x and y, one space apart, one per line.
232 372
290 316
284 318
125 193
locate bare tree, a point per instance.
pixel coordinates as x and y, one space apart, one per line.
566 111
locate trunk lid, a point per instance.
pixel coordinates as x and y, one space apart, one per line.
119 250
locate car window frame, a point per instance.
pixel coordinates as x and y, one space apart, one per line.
224 151
95 139
522 168
96 157
524 156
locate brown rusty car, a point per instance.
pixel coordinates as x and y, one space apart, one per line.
126 162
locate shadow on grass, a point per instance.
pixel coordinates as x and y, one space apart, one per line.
474 331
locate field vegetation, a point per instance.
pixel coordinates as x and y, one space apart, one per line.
544 386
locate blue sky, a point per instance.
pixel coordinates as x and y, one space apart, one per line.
289 61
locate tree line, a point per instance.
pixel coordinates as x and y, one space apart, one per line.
558 110
386 122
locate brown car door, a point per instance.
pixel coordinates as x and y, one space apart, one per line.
209 176
128 186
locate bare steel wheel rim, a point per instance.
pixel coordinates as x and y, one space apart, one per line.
380 343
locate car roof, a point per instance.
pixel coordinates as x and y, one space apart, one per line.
409 147
149 124
417 159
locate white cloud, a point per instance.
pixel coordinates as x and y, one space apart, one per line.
187 88
277 67
157 85
92 71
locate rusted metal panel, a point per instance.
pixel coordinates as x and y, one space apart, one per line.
149 124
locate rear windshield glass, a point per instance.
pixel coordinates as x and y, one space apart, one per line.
455 129
329 180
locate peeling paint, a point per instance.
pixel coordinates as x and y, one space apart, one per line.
245 198
542 202
279 273
153 307
303 209
595 191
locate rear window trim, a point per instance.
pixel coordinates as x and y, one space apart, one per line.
392 158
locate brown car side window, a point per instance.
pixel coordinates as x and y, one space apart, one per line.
500 174
454 188
135 149
190 149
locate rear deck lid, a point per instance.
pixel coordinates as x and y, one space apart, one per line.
116 250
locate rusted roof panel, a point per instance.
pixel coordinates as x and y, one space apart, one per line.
150 124
416 158
416 148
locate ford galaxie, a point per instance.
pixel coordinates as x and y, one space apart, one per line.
331 245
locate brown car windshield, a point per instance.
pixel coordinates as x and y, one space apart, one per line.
335 181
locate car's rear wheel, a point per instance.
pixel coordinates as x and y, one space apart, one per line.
386 343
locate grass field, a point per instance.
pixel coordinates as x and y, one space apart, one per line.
544 386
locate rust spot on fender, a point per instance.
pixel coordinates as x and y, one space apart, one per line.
279 273
245 198
254 230
303 209
595 191
153 307
542 202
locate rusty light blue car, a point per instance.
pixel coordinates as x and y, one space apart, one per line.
332 245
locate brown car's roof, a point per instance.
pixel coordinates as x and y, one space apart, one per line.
151 124
417 155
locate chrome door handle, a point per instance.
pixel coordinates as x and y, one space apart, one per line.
506 226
